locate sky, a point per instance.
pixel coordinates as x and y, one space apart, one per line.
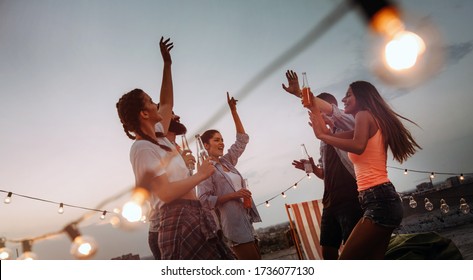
65 64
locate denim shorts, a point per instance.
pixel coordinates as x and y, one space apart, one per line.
382 204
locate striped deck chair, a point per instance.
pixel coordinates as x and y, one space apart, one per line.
305 224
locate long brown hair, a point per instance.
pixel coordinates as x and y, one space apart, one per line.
129 107
396 136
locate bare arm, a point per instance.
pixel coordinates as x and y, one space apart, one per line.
166 98
236 118
357 144
169 191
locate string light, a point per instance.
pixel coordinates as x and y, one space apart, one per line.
283 195
83 247
8 198
405 171
308 176
294 186
464 207
432 175
5 253
267 204
444 206
428 205
61 208
462 177
102 217
135 209
412 202
27 253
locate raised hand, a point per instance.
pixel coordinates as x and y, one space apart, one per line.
231 102
166 46
293 84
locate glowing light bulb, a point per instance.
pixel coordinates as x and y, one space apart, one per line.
8 198
464 207
402 51
405 171
267 204
462 177
412 202
295 186
432 175
444 206
308 176
61 208
102 217
27 254
134 210
83 247
5 253
428 205
283 195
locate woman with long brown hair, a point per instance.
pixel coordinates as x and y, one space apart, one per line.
377 127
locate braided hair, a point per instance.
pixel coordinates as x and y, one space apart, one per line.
129 107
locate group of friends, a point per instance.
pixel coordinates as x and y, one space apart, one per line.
202 214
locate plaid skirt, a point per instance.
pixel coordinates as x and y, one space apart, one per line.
187 231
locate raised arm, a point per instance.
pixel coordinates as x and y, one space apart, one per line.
294 89
166 97
236 118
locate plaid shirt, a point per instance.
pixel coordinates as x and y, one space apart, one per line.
188 232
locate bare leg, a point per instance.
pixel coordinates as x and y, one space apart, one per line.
367 241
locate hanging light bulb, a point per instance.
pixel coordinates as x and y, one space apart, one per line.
83 247
27 254
267 204
462 177
428 205
432 175
102 217
5 253
61 208
283 195
444 206
295 186
8 198
308 176
412 202
410 45
135 209
464 207
405 171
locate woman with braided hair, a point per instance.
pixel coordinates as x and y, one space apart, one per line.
186 230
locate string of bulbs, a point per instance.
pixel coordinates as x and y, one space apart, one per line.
84 247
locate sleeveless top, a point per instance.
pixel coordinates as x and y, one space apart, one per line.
370 166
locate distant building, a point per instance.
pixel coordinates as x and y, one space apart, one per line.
422 187
127 257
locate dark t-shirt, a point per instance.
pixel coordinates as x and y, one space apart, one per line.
340 186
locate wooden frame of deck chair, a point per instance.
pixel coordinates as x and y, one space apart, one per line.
305 227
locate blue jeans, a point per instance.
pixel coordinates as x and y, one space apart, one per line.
382 205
